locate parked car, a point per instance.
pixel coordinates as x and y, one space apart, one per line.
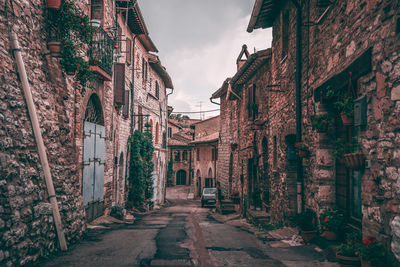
209 197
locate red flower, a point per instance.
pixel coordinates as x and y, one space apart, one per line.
76 48
326 219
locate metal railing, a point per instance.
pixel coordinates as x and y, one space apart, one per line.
101 50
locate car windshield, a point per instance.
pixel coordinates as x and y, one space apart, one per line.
209 191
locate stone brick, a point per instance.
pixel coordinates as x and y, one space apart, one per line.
381 85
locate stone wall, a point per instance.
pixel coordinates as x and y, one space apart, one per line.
227 148
26 223
367 25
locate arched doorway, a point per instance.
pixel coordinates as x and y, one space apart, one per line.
209 179
181 177
120 182
198 175
265 177
94 136
230 175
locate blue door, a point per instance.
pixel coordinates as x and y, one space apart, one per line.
93 169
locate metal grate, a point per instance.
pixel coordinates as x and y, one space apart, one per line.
101 51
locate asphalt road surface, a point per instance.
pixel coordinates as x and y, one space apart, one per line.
180 234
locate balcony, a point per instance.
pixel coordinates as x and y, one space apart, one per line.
101 54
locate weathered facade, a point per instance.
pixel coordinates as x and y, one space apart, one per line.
180 151
205 154
85 131
347 47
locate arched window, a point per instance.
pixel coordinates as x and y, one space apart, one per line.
157 130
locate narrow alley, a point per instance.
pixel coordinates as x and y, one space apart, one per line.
182 234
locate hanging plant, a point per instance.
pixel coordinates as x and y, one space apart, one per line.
319 123
75 36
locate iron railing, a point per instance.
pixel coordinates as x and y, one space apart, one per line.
101 50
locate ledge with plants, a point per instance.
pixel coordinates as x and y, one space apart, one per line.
332 221
70 37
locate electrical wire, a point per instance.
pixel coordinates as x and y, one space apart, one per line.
193 112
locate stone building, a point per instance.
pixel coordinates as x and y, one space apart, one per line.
245 116
205 154
323 48
85 131
181 152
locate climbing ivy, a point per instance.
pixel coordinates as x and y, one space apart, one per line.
170 171
140 169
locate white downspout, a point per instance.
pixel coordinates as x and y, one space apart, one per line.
39 140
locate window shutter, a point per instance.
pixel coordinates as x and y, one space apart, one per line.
119 87
128 51
125 111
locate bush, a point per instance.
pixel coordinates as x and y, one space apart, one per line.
117 212
332 219
372 250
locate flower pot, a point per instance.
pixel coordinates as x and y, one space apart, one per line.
346 120
365 263
55 48
308 235
53 4
329 235
348 261
354 160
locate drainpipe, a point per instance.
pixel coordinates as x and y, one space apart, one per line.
211 100
39 140
300 193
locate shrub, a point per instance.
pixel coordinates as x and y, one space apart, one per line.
332 219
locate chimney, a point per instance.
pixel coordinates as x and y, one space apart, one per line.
242 58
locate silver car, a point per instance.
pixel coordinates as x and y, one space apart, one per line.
209 197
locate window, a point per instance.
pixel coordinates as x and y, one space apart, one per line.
285 33
214 154
143 68
164 140
119 40
177 155
198 154
125 111
169 132
184 155
157 90
252 106
128 51
156 134
97 10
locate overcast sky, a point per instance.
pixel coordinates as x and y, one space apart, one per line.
199 41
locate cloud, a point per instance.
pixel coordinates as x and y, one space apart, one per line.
199 41
198 72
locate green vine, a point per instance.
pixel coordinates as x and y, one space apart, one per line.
75 34
170 171
140 169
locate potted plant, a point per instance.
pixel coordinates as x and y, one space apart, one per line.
372 252
348 253
306 223
53 4
302 149
331 221
320 123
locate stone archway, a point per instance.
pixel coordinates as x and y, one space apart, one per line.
94 136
